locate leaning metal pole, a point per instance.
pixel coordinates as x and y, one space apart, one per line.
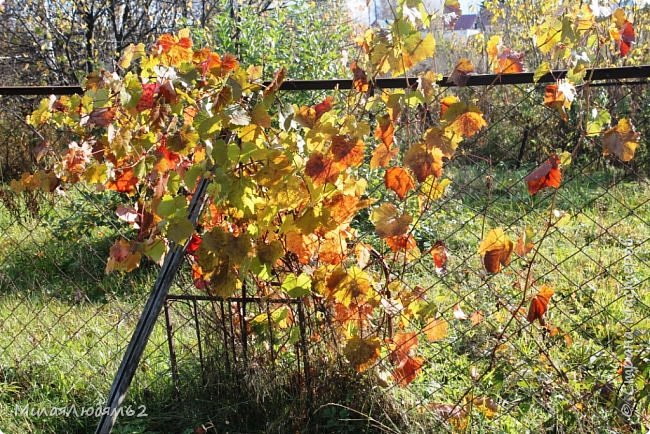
143 330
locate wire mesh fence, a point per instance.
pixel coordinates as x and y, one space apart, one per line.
483 366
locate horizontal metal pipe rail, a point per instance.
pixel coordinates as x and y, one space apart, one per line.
594 74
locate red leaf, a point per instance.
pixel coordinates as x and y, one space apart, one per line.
149 92
401 243
539 304
323 107
439 253
546 175
194 244
627 38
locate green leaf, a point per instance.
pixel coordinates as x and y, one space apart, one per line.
543 69
155 250
180 229
170 206
297 286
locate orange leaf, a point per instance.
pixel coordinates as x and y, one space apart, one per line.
360 79
399 180
385 131
168 160
539 304
424 161
321 169
347 151
323 106
407 371
401 345
461 72
362 353
468 124
401 243
229 62
174 50
546 175
557 100
496 249
509 62
125 181
436 329
446 102
277 81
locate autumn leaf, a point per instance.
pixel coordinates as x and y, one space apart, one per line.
621 140
229 62
122 257
406 366
525 242
102 117
388 221
463 120
360 79
321 169
446 102
149 92
539 304
509 62
324 106
436 329
460 74
546 175
408 370
362 353
342 207
174 50
385 131
559 97
624 35
277 81
435 137
124 181
439 254
401 243
424 161
399 180
167 160
193 245
496 248
347 151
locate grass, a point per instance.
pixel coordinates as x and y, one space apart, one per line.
65 323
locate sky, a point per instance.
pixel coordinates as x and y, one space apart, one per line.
470 6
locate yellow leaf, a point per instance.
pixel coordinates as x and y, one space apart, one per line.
436 329
362 353
621 140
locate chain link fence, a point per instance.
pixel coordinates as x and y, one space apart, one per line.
262 364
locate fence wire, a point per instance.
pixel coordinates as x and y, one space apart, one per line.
250 364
